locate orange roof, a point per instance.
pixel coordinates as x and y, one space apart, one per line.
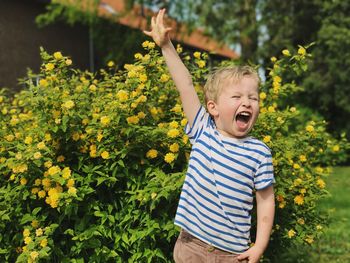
135 19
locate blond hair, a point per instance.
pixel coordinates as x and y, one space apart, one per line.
218 76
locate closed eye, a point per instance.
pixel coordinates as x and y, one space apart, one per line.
254 98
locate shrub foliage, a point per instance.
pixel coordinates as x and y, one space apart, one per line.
92 164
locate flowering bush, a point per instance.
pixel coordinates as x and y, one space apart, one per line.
92 164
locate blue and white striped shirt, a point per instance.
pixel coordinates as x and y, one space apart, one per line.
217 196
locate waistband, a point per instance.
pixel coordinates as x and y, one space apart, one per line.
187 237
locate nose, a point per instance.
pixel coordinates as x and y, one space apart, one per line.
245 101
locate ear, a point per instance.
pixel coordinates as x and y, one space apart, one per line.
212 108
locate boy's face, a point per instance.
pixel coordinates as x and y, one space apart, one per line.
237 107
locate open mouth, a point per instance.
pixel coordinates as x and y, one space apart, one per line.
243 118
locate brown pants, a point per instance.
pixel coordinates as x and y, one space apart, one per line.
189 249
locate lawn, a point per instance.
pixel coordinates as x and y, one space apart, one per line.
334 246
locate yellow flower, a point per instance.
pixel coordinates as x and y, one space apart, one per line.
178 48
301 51
105 155
34 255
299 200
174 124
41 194
28 140
26 232
169 157
41 145
336 148
173 133
321 184
145 44
68 62
49 66
301 221
48 137
48 164
151 45
201 63
54 170
164 78
110 64
72 190
309 128
35 223
141 115
10 137
37 155
39 232
297 182
57 55
309 239
43 83
271 109
291 233
262 95
319 227
27 240
302 158
99 137
286 52
273 59
277 79
267 139
105 120
43 243
185 139
70 183
66 173
133 119
296 166
76 136
35 190
143 78
122 95
68 104
177 108
197 54
183 122
152 154
23 181
142 98
174 147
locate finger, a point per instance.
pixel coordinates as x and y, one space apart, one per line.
148 33
160 17
153 22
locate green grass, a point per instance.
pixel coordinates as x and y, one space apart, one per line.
334 245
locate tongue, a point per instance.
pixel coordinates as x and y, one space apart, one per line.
241 123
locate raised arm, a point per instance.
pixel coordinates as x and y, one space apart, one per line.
178 71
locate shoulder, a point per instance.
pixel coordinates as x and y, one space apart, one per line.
256 144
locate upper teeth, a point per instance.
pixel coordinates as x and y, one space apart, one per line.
245 113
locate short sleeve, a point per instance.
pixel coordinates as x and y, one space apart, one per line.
264 176
200 121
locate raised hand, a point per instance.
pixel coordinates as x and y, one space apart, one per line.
159 32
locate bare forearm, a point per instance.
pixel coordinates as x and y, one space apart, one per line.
178 71
265 213
183 81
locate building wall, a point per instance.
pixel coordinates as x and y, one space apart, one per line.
20 39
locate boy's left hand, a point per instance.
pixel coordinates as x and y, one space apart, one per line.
253 255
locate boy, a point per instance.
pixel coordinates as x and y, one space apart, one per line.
226 165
